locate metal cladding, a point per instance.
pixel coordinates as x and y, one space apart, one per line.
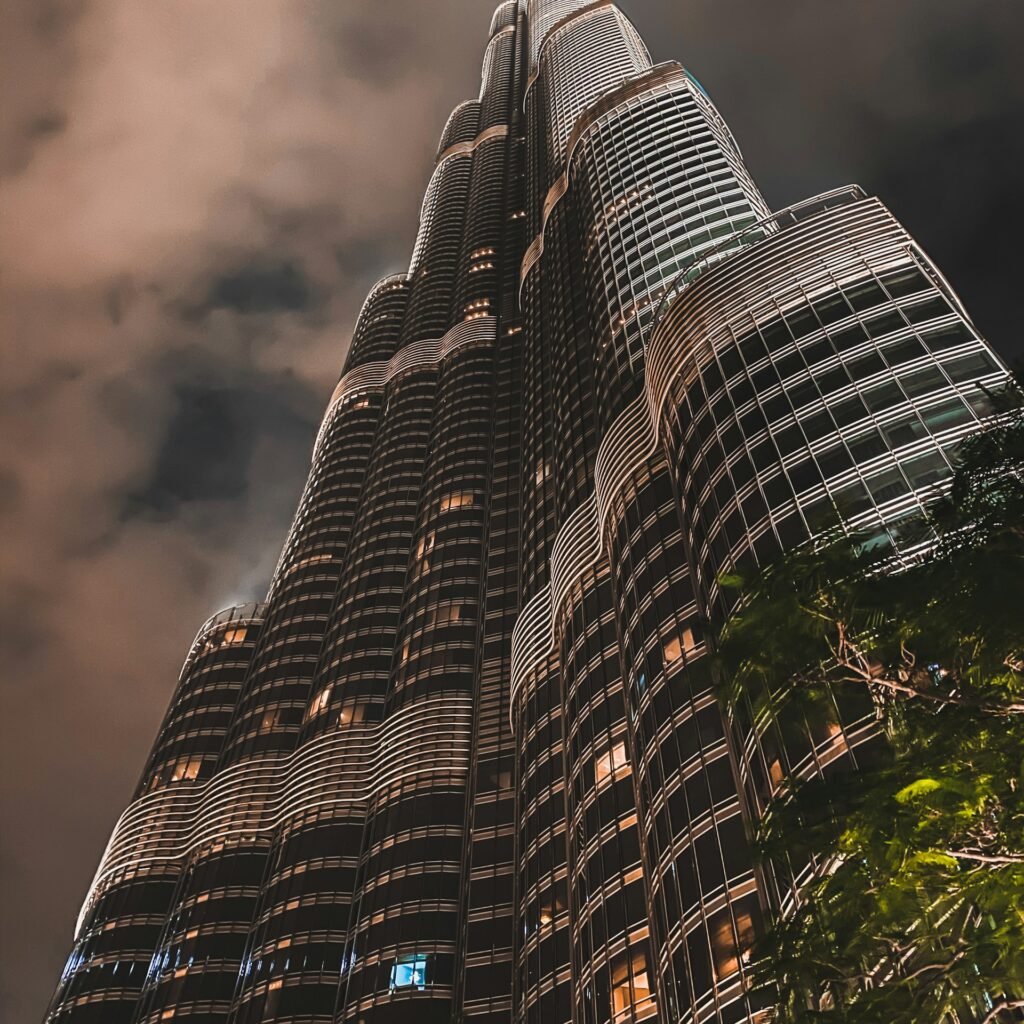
466 762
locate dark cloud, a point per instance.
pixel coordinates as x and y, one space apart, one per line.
262 287
204 455
197 196
206 452
46 124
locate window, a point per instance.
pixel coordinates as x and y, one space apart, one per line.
445 614
423 548
352 714
630 988
613 759
460 499
729 946
319 704
187 770
235 636
675 646
672 650
410 971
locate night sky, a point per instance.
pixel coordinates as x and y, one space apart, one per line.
197 195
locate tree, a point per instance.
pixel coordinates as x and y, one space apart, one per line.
918 917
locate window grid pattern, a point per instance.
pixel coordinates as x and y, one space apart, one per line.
704 905
192 735
667 185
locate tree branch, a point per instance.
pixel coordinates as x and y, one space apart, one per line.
1001 1007
981 858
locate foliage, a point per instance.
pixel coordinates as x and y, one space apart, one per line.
920 917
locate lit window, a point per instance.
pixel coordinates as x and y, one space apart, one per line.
410 971
776 772
461 499
631 985
423 548
186 770
674 648
612 760
319 704
235 636
728 946
275 984
352 714
445 614
268 721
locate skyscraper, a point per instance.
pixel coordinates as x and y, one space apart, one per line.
465 761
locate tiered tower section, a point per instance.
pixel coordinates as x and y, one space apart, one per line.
466 762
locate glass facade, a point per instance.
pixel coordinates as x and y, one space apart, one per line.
466 762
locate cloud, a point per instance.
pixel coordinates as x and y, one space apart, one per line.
197 196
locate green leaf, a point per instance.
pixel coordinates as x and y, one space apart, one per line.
918 789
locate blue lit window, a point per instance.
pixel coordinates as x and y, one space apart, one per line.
410 971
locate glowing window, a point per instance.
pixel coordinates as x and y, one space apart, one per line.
319 704
187 770
410 972
352 714
460 499
674 648
235 636
445 614
631 986
728 946
612 760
